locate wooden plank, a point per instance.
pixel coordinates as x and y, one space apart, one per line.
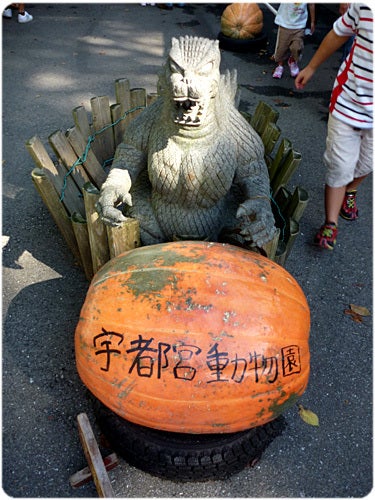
138 97
122 92
51 199
280 253
54 171
81 234
56 174
101 119
41 158
270 136
72 195
94 458
92 169
271 247
96 228
297 204
81 121
123 238
263 115
282 199
66 153
285 170
292 233
151 98
284 148
84 476
118 127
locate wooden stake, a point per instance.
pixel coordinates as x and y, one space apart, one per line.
270 136
151 98
138 97
123 238
122 91
96 228
286 170
81 233
51 199
297 204
91 166
118 130
84 476
68 157
271 247
81 121
94 458
101 118
55 174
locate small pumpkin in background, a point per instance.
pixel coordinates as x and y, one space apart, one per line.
242 21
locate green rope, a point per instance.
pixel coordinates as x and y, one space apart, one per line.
90 140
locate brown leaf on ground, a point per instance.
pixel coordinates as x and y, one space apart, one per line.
353 315
362 311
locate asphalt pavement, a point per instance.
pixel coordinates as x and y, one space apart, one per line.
66 55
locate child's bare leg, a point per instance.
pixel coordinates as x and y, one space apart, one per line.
333 198
352 186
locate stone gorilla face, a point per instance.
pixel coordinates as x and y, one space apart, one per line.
192 75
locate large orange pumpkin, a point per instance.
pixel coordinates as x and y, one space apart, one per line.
242 20
194 337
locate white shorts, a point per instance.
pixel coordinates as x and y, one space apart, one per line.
348 153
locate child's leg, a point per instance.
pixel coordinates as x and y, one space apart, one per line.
296 49
333 198
281 51
348 157
296 44
353 186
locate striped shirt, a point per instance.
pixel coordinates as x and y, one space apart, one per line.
351 99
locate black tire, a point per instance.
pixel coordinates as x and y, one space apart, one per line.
241 45
186 457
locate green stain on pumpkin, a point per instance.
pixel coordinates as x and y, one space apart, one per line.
148 257
261 413
219 425
150 281
278 408
127 390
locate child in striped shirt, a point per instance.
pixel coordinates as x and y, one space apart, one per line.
349 146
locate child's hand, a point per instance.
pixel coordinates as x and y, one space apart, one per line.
298 81
303 77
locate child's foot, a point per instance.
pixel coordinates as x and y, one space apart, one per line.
349 210
278 73
293 66
7 13
326 236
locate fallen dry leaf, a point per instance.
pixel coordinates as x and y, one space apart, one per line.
353 315
308 416
362 311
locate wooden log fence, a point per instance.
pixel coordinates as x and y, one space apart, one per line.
70 177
